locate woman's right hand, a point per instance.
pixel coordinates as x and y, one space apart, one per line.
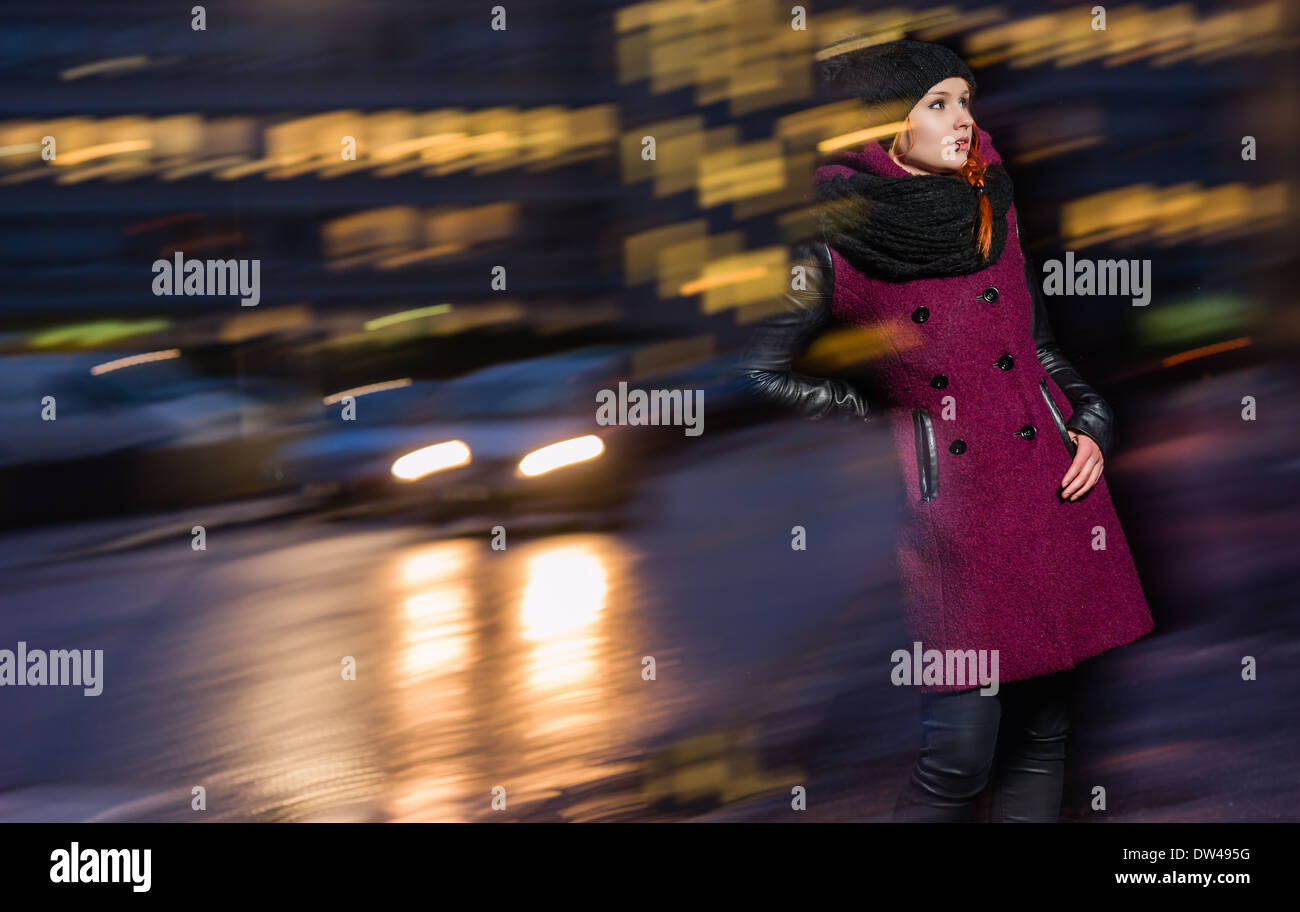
1085 470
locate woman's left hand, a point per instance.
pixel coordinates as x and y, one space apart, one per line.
1086 468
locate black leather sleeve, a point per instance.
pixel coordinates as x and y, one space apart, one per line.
1092 414
778 340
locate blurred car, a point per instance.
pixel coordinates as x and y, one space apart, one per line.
458 445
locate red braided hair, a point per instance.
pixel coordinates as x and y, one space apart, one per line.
973 172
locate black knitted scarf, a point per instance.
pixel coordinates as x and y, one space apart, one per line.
919 226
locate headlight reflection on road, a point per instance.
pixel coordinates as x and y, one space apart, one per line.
564 596
436 630
436 633
436 564
530 693
565 591
436 621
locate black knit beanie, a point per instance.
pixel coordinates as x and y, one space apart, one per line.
895 75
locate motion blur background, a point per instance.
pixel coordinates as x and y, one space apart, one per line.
522 148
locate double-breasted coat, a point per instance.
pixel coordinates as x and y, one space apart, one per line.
979 397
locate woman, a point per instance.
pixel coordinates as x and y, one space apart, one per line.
1009 544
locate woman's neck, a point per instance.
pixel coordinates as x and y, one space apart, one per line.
912 169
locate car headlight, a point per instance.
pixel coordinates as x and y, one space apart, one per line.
556 455
430 459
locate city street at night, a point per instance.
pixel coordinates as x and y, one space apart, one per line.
522 668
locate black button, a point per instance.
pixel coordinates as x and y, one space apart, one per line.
1005 362
990 294
921 314
957 446
939 381
1027 432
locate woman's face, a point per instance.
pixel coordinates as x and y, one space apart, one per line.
942 128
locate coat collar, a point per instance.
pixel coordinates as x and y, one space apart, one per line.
900 230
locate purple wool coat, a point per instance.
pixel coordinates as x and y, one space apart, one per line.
989 556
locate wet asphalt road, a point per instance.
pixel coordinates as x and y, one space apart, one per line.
483 673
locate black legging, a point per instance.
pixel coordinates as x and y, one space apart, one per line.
1023 728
